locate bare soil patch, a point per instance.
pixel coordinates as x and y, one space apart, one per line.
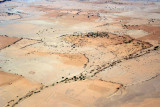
7 41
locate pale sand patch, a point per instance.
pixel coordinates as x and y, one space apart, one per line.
145 94
150 102
137 33
44 67
153 32
139 14
19 29
77 94
137 22
39 22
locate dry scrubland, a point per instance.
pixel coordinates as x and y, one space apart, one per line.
79 53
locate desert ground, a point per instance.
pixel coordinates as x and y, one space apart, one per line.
79 53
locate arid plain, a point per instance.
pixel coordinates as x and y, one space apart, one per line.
79 53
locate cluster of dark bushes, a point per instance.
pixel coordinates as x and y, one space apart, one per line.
91 34
74 78
97 34
156 47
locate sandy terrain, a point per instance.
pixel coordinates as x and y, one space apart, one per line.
13 86
73 94
7 41
134 70
143 94
79 53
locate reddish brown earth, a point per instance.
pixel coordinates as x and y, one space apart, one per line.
5 41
